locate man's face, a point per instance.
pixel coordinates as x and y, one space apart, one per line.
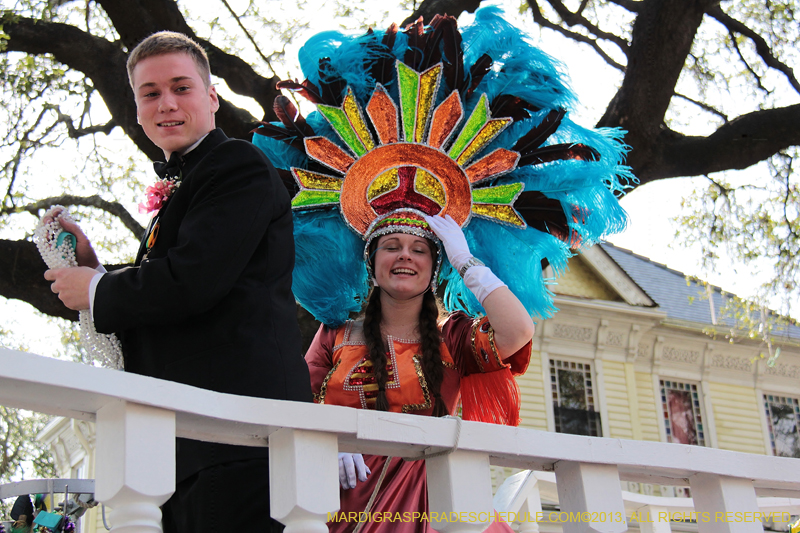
173 105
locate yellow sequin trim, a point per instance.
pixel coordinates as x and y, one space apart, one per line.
504 213
428 185
385 182
424 385
320 398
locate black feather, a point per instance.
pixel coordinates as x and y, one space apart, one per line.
558 152
332 85
280 134
290 117
477 71
547 215
452 55
416 44
538 135
309 91
379 59
510 106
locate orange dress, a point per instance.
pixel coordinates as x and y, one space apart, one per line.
341 374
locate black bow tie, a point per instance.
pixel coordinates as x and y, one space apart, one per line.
170 169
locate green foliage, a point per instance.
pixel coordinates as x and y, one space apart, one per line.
18 430
757 226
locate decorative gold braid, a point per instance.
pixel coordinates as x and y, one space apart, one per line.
475 324
320 398
496 354
425 392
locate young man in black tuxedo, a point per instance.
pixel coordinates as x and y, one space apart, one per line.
208 302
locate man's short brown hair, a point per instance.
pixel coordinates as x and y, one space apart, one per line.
170 42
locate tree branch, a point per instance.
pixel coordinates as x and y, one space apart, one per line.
661 40
430 8
102 61
629 5
704 106
541 20
762 47
75 133
577 18
22 278
114 208
746 64
737 144
249 37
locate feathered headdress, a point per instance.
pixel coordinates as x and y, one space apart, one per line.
470 123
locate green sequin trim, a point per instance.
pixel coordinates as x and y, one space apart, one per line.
315 198
502 194
339 121
479 117
409 92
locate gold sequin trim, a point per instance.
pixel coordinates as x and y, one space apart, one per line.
496 354
424 385
475 325
320 398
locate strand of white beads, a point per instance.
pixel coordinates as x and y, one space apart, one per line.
57 248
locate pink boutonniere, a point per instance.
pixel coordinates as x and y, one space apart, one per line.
158 193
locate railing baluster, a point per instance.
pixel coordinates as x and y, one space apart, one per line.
720 495
459 483
303 479
593 489
530 510
135 464
655 520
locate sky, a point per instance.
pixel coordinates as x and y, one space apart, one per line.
650 233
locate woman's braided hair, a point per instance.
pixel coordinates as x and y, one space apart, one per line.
432 368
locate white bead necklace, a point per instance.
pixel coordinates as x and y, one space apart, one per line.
57 248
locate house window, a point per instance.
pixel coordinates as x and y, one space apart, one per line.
573 398
683 420
783 414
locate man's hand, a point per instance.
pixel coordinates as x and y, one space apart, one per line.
72 285
84 253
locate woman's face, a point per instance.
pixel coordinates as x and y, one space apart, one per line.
403 265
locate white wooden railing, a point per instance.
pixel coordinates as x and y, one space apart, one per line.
138 418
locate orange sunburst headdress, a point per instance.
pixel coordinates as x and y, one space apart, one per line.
402 123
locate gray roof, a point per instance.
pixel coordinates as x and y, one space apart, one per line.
671 292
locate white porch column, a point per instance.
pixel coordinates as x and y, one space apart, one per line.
654 519
459 486
593 489
135 464
303 479
721 497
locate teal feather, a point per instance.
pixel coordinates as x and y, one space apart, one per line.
280 153
329 278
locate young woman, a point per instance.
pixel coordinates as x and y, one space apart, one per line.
400 357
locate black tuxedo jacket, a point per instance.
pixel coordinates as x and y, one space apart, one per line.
211 305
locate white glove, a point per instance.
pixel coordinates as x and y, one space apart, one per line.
478 278
452 237
351 464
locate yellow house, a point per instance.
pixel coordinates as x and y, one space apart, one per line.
628 356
